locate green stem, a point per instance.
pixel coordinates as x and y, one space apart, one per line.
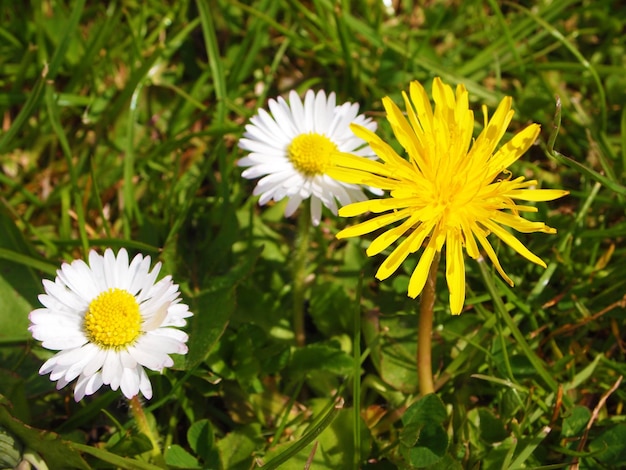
136 408
425 331
299 273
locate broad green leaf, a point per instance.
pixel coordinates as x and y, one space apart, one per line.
212 312
19 285
56 452
423 439
611 446
320 357
201 439
237 447
491 428
392 340
177 457
427 410
129 444
331 309
575 421
429 449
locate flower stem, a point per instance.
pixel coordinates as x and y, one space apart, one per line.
299 273
136 408
425 331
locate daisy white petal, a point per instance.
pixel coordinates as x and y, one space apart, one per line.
87 385
293 145
109 320
145 387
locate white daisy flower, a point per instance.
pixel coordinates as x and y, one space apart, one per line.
109 320
291 148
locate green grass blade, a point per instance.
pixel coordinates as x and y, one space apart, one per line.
315 429
53 116
215 60
517 334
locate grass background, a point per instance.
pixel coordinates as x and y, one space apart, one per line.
119 128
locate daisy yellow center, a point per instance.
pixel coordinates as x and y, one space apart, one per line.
113 319
310 153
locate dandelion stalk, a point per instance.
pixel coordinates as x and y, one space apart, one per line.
299 273
425 331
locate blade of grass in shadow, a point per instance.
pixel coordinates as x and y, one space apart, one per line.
507 34
129 163
26 111
520 30
18 187
112 243
356 380
117 460
284 419
270 21
48 73
53 116
93 47
315 429
610 183
256 37
623 138
530 446
576 53
517 334
215 60
29 261
98 200
350 80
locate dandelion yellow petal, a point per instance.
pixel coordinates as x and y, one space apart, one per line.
492 256
444 100
420 273
347 160
520 224
373 205
400 126
513 242
519 208
395 259
363 133
513 149
470 241
451 190
379 146
385 239
422 106
490 136
455 273
537 195
373 224
417 155
349 175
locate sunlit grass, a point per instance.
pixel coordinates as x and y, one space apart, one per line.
120 123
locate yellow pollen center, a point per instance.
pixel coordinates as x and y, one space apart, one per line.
113 319
310 154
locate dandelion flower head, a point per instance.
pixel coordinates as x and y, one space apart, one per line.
291 147
452 190
109 320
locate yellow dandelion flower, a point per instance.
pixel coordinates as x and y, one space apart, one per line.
451 191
